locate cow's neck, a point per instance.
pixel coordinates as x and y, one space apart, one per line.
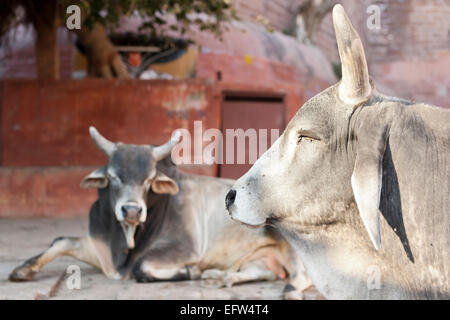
339 267
157 216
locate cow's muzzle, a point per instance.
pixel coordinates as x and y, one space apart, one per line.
131 213
242 210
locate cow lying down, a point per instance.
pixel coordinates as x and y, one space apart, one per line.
153 222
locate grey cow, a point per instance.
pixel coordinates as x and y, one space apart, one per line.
359 183
154 222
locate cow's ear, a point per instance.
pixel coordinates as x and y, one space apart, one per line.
367 181
164 185
96 179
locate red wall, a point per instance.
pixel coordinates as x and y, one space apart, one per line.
45 147
45 123
44 192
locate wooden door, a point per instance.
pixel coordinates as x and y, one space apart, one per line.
249 112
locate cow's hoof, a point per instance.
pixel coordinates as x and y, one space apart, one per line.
22 273
214 278
139 275
229 280
290 292
114 276
213 274
293 295
194 272
211 283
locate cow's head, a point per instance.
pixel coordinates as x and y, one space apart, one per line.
324 160
128 177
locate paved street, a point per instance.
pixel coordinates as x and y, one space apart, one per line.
22 238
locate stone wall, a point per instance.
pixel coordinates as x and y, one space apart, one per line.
409 56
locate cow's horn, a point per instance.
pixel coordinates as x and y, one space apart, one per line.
355 84
164 150
102 143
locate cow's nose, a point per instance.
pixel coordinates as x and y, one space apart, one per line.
229 199
131 211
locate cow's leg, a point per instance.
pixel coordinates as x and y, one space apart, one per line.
298 280
166 263
84 249
251 271
296 286
148 271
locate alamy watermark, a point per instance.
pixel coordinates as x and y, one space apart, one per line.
73 281
373 273
208 146
73 21
374 20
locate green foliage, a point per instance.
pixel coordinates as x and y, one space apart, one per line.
156 12
206 14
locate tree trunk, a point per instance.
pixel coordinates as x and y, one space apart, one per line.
103 59
46 46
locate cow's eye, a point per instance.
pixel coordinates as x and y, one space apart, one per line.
303 138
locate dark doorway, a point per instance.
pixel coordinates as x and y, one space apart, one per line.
249 111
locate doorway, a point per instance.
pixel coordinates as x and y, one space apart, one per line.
249 111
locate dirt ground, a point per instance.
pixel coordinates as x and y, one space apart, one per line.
20 239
